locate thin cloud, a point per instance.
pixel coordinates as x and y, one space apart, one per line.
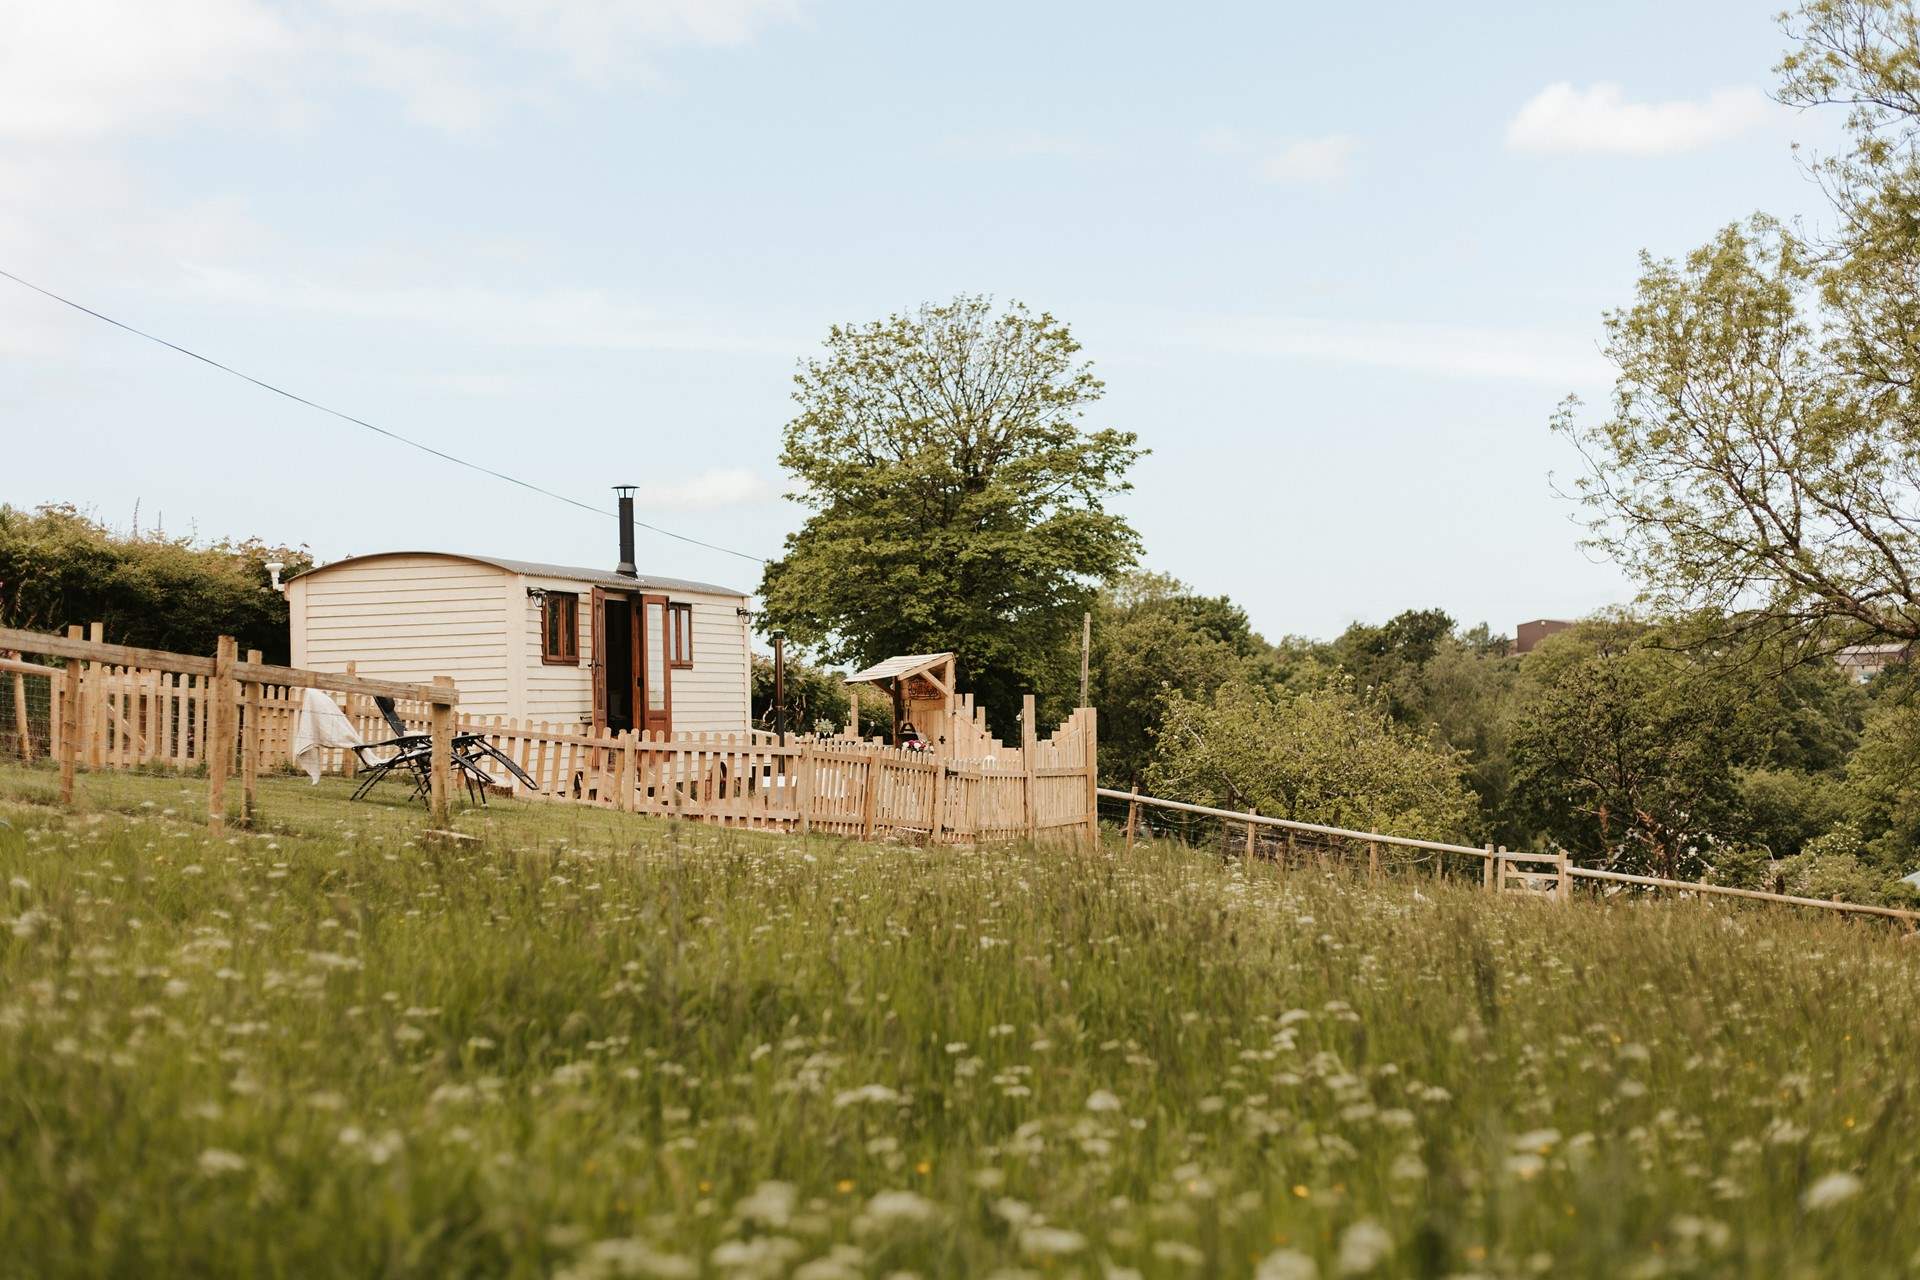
1326 160
576 318
79 69
1313 161
1564 118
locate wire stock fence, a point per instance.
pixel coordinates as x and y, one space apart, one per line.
26 708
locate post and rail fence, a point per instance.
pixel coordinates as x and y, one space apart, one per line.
1553 875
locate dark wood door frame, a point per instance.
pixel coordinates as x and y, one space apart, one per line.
645 614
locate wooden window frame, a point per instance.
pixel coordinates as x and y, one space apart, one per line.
570 633
680 636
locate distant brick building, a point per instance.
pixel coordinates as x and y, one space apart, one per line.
1529 634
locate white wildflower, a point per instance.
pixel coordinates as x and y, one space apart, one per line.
763 1256
1539 1141
214 1162
1364 1246
1834 1189
770 1205
1178 1252
1526 1166
899 1208
876 1093
1287 1264
1102 1100
1051 1242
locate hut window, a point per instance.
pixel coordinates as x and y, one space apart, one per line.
680 634
560 628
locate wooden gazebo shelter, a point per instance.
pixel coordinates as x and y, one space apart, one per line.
921 688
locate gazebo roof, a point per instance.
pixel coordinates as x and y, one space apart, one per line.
900 668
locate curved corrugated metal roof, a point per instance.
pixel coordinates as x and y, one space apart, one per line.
535 569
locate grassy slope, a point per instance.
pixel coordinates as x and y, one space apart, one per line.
586 1045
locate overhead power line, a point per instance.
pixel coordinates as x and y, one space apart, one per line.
362 422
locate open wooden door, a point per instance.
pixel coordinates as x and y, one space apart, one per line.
655 703
597 660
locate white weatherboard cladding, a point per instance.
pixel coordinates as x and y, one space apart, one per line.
412 617
408 618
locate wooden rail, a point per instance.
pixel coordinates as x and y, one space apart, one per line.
1497 861
1758 895
120 705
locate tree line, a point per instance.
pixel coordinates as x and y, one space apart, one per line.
1758 474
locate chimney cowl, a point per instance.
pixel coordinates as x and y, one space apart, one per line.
626 568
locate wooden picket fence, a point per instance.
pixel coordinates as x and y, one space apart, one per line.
164 711
843 786
117 707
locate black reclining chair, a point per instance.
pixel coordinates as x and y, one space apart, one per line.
413 757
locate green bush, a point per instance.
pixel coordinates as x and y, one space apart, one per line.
59 567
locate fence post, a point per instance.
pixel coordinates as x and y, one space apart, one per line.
1486 870
1029 747
222 706
22 727
803 788
1373 859
1563 885
870 794
1249 833
1133 817
630 769
939 797
1093 775
349 762
96 700
69 722
250 744
440 722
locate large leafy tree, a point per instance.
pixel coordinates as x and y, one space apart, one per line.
1762 460
1628 752
958 501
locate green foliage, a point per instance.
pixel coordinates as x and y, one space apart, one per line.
1832 866
958 502
58 567
1325 755
1460 686
1627 752
1759 464
817 700
1152 638
1738 866
595 1045
1784 808
1883 781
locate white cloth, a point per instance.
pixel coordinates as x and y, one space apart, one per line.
321 724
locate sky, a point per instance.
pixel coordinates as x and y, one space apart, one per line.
1337 265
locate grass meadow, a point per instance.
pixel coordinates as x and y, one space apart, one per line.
592 1045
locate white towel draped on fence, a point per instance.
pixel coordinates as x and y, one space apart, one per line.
320 725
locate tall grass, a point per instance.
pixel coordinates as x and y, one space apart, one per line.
592 1045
